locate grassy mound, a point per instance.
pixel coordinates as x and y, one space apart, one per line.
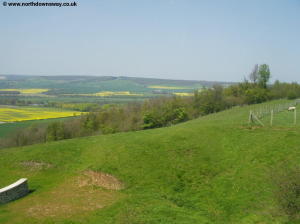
215 169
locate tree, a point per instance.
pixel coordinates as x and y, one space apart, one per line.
210 100
264 75
256 95
55 131
253 76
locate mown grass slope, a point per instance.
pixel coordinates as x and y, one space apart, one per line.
215 169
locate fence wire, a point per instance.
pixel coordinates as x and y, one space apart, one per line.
256 114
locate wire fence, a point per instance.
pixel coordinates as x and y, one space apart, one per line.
257 114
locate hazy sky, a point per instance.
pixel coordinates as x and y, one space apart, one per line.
179 39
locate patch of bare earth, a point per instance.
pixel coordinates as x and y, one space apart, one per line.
76 196
35 165
101 179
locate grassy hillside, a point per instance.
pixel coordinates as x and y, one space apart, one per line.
215 169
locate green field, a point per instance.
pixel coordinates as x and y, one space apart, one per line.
8 128
215 169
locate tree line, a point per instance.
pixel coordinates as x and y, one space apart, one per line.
159 112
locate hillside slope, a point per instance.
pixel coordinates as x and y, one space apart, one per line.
211 170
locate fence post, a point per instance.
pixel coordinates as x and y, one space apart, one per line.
257 119
250 117
295 116
272 114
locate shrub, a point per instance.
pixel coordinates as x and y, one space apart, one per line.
55 131
152 120
292 95
256 95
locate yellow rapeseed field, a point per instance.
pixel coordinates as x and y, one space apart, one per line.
109 93
167 87
27 91
12 114
183 94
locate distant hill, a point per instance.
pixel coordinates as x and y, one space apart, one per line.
89 84
95 89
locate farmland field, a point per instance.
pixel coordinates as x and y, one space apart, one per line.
108 93
26 91
8 128
168 87
183 94
13 114
96 89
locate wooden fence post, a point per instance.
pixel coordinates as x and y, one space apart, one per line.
295 116
272 114
250 117
257 119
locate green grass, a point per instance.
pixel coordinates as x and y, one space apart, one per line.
284 118
215 169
